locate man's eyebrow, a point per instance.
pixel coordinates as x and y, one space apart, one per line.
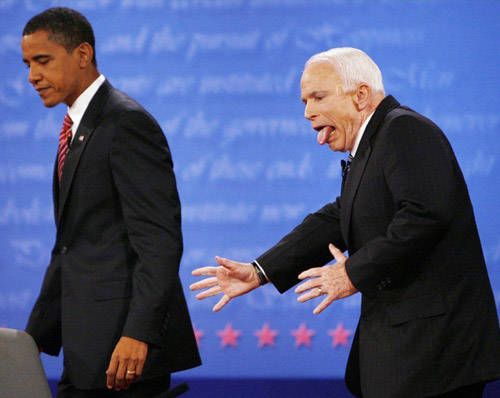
313 94
37 57
40 56
318 92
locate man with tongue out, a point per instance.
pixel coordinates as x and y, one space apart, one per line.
428 324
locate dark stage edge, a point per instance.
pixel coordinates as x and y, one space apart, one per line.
263 388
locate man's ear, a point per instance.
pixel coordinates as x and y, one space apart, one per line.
361 96
86 53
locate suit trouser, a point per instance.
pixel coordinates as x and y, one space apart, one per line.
471 391
152 388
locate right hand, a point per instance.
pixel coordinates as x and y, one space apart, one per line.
126 364
231 278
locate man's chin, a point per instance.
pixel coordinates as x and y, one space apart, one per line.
50 103
50 98
336 148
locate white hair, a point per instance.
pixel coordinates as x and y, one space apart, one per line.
353 66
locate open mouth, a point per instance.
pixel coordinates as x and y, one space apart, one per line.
324 133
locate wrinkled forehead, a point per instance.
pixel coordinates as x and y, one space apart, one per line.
320 75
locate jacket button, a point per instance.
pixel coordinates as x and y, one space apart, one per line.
63 250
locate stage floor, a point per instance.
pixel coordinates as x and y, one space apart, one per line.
271 388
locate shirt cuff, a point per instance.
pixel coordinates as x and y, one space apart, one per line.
256 263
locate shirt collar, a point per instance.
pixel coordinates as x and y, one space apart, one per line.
361 131
81 104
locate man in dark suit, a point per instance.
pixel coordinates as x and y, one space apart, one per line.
428 324
111 296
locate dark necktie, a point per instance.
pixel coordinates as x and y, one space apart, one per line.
346 166
64 140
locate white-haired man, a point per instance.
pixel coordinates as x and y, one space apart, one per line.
428 325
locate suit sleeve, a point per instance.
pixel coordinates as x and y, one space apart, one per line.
304 247
44 323
421 174
143 174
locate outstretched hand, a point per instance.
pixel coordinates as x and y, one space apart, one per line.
230 278
330 280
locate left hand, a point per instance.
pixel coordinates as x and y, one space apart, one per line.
127 362
330 280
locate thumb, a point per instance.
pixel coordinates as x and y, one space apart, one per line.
337 254
226 263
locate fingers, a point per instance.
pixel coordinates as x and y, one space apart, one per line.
139 367
209 293
323 281
310 284
311 273
222 302
325 303
204 271
226 263
313 293
227 277
126 364
337 254
115 375
131 372
120 376
111 372
208 282
136 363
315 272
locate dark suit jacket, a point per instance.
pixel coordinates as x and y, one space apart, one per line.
428 320
114 266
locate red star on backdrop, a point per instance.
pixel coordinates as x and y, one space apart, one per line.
266 335
198 334
303 335
339 335
229 336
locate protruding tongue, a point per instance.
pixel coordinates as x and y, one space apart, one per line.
323 134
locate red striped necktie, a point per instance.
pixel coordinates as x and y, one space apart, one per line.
64 140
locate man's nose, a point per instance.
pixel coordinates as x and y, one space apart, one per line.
309 113
33 76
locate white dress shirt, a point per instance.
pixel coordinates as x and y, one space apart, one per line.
81 104
361 131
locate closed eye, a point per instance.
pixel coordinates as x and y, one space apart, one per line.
43 60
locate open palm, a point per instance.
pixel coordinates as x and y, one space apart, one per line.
230 278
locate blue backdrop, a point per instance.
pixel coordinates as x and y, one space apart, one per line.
222 78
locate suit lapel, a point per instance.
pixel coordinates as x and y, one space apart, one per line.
55 192
358 164
85 129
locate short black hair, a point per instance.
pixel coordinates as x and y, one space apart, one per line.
65 26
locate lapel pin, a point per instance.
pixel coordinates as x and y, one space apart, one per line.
81 138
